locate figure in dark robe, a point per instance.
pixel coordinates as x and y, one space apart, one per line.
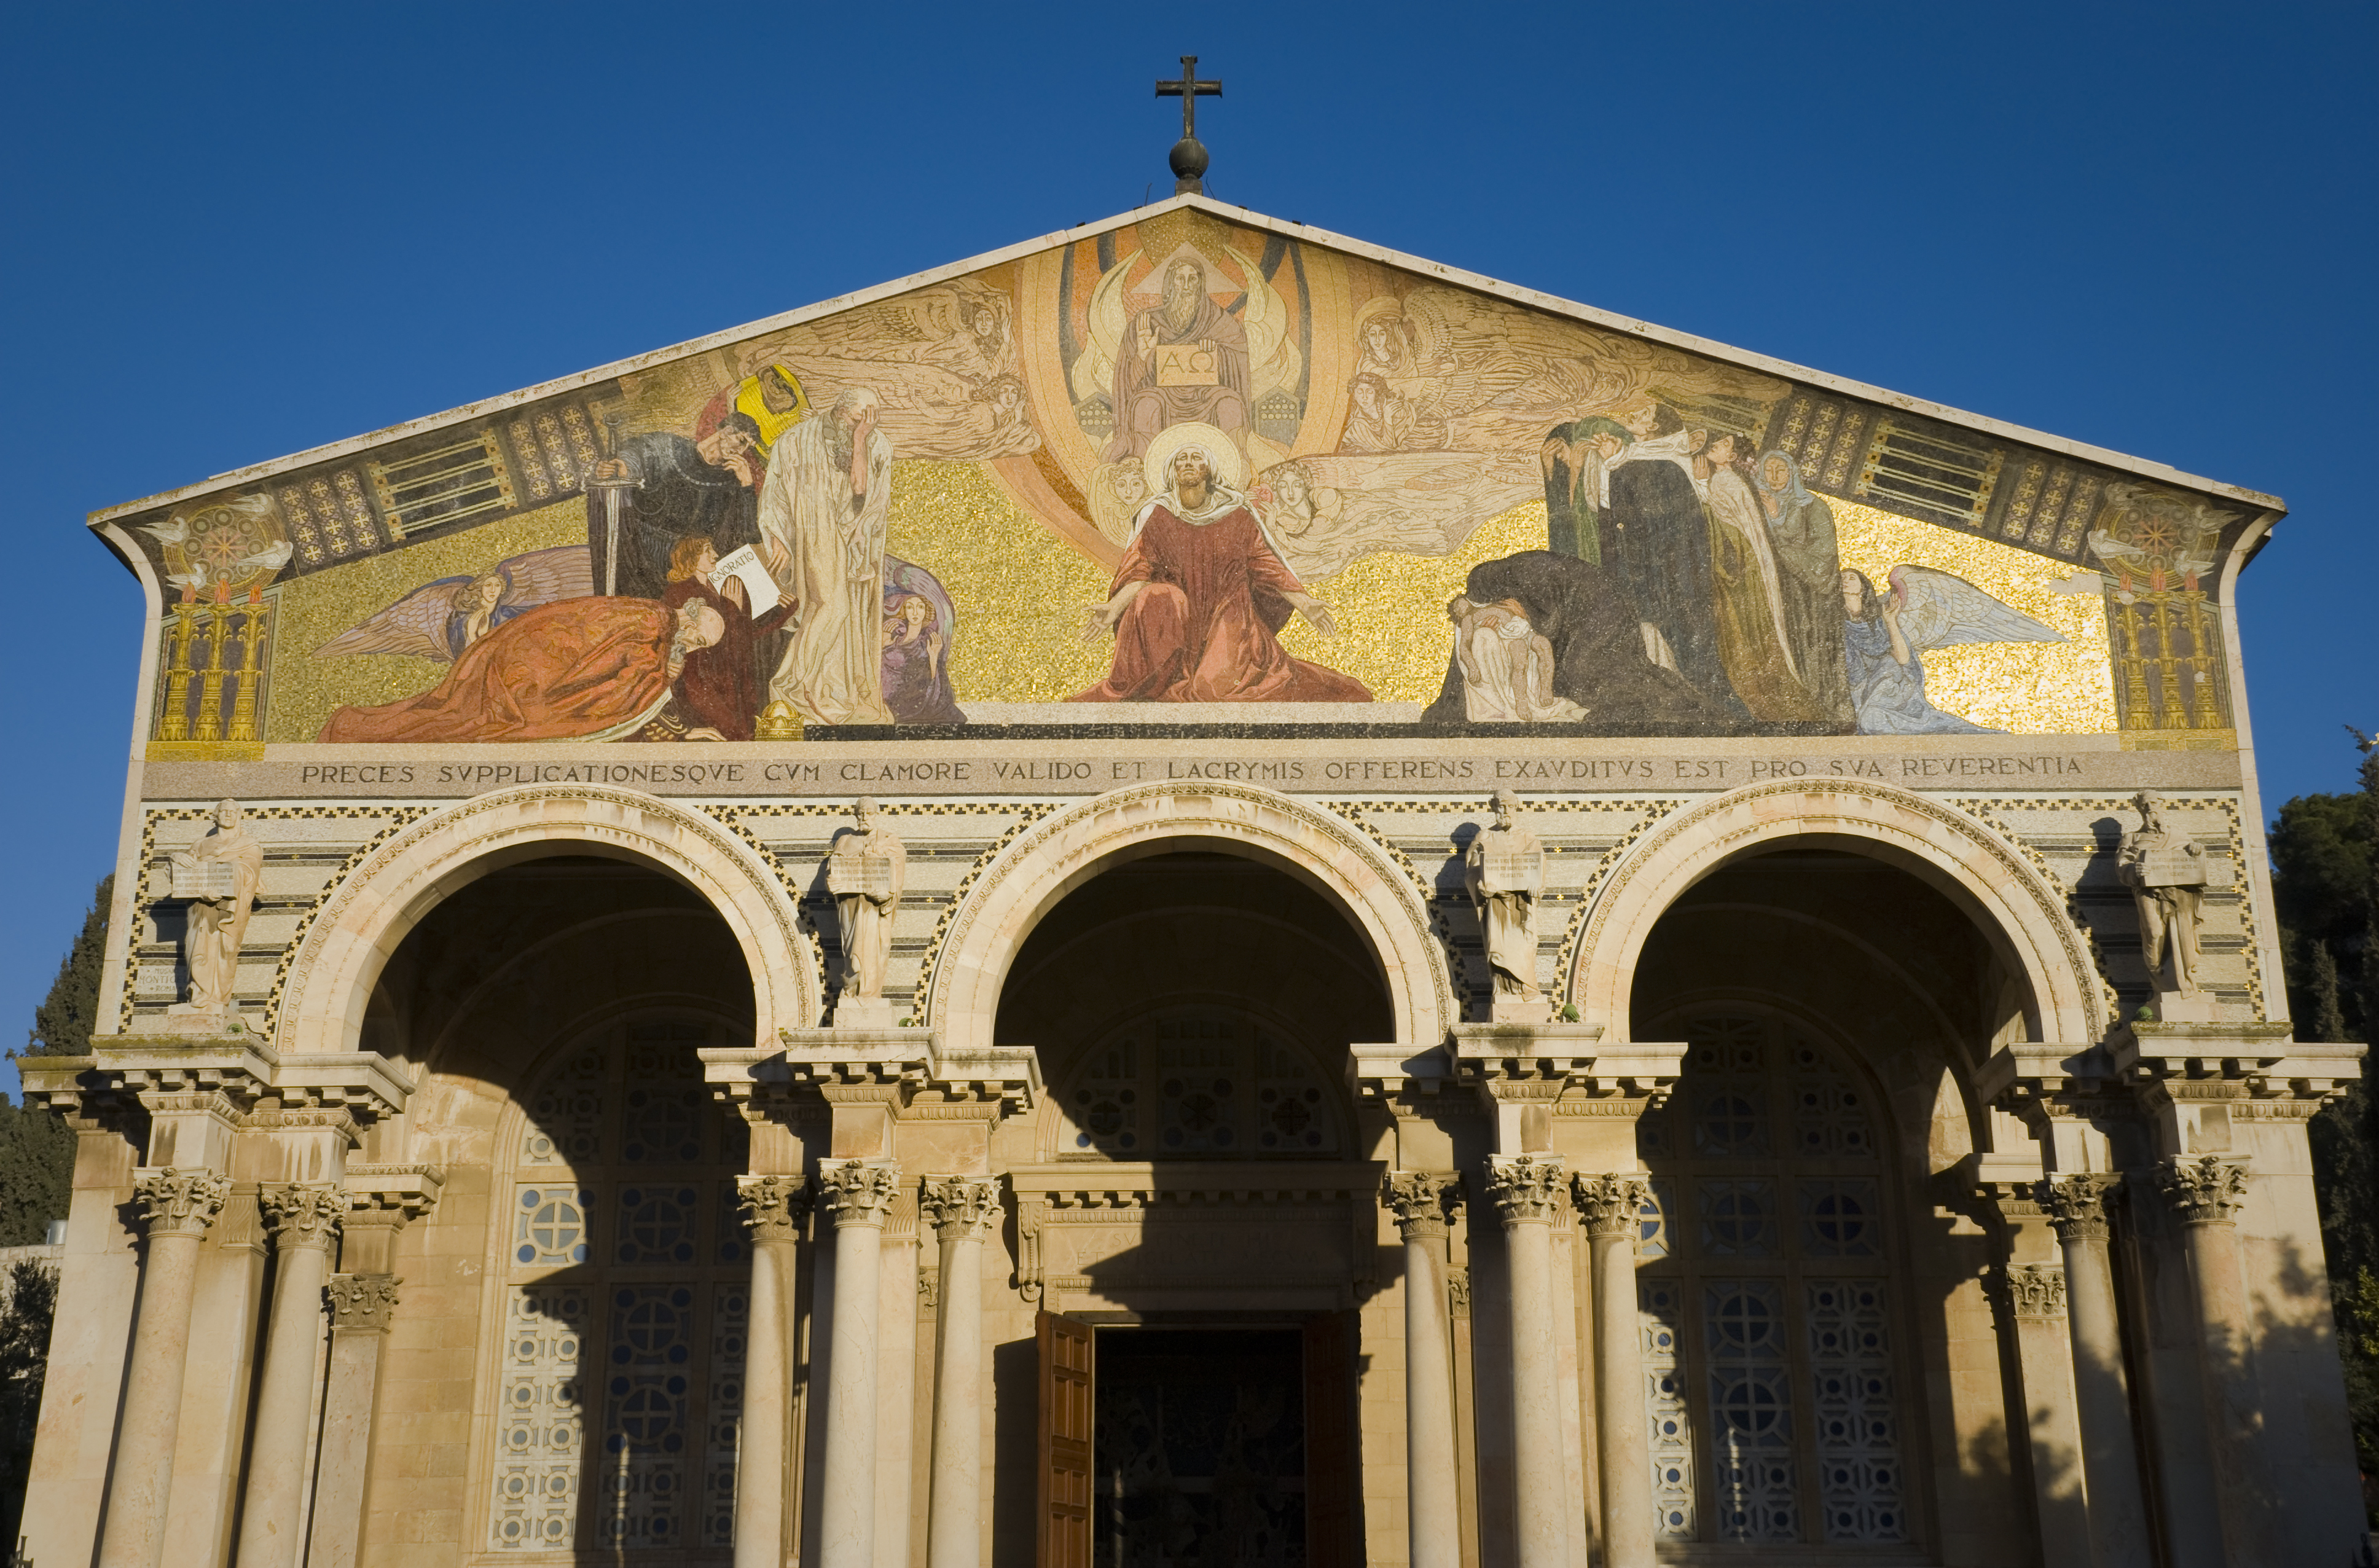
1599 659
577 669
719 692
1573 458
1182 362
682 489
1198 599
919 633
1656 536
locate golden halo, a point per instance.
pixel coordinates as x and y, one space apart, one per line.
1231 464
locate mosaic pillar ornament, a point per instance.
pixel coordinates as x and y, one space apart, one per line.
179 1205
962 1210
1612 1208
2206 1194
1530 1193
773 1209
859 1193
1433 1498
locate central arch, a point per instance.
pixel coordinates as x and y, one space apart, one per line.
1060 853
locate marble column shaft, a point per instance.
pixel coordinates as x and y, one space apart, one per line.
860 1195
1432 1495
1529 1193
2110 1462
1612 1207
180 1204
773 1207
2206 1193
961 1212
303 1218
361 1307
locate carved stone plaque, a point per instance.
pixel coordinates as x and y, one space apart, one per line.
204 879
868 874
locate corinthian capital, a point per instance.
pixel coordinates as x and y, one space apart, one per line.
179 1201
362 1303
1420 1199
1612 1205
773 1206
2037 1290
2077 1205
1527 1189
2204 1191
859 1193
303 1214
958 1208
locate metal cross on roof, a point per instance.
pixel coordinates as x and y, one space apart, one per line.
1189 157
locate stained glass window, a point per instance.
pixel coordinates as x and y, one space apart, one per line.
626 1308
1769 1334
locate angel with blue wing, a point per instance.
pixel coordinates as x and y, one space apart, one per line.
439 620
1887 634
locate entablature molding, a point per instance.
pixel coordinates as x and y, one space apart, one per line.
159 1071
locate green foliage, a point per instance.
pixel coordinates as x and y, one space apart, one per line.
64 1022
33 1298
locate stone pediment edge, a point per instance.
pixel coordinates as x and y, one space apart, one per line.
1516 293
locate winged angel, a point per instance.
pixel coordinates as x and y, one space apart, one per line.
1887 634
439 620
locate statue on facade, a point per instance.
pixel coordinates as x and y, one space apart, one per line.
1504 869
2167 872
219 876
864 872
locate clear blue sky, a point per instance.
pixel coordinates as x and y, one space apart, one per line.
234 232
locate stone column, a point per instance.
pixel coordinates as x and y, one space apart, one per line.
1432 1500
2206 1194
361 1307
962 1209
860 1193
1612 1206
1529 1193
2110 1462
303 1217
773 1209
179 1205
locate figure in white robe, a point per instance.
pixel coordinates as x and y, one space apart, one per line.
822 517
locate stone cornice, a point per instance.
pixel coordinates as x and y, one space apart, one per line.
246 1071
1111 1185
1546 1063
391 1195
2249 1061
898 1066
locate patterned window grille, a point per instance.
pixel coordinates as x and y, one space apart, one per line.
627 1308
1935 475
1204 1080
1766 1312
450 483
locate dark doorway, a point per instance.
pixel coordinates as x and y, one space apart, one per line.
1199 1453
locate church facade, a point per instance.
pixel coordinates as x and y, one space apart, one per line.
1193 894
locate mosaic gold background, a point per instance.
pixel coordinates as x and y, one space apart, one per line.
316 608
2024 688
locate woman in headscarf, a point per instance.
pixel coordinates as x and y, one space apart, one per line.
1749 599
916 662
1801 529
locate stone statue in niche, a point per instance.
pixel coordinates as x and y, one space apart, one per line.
864 872
218 876
1504 869
2167 873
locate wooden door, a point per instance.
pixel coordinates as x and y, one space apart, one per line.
1064 1530
1333 1513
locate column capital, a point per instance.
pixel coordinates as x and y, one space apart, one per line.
362 1303
1527 1189
2077 1204
959 1208
180 1201
2208 1190
859 1193
773 1206
1420 1199
303 1214
2037 1290
1610 1204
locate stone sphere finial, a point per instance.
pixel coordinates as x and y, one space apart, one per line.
1188 158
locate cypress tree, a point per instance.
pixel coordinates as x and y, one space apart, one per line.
36 1150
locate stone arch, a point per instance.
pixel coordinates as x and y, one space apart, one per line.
1066 849
2016 906
353 935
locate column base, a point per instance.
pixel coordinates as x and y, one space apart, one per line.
863 1012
